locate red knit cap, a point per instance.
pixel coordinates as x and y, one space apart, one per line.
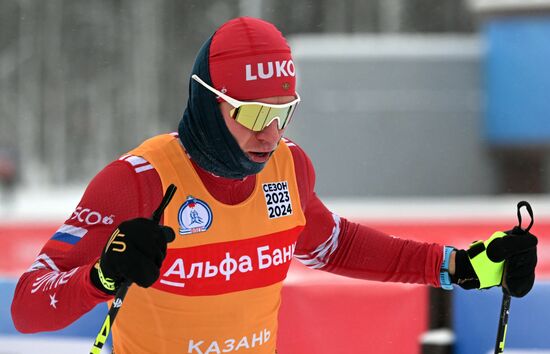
250 59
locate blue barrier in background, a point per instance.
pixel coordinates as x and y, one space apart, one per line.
517 80
476 315
86 326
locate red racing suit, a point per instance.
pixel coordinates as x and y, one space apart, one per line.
56 290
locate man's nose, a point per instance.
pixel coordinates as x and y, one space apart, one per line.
270 134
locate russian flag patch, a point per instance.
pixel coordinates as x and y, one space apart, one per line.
69 234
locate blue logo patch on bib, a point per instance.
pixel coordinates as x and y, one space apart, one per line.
194 216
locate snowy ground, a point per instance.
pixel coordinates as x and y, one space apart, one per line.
18 345
39 204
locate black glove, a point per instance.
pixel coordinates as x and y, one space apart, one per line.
135 252
507 258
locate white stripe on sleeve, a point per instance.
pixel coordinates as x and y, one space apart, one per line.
136 160
321 255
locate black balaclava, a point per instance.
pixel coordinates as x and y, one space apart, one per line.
203 131
246 58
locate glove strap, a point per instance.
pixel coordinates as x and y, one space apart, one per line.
444 277
527 206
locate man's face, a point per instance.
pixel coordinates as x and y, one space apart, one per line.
258 146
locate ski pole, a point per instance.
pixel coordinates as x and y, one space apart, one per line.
503 323
123 289
506 298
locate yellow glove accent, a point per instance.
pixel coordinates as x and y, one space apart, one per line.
488 272
107 283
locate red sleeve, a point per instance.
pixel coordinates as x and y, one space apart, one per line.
339 246
56 290
366 253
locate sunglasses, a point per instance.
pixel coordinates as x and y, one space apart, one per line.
256 115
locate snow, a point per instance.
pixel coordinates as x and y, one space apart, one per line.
29 345
57 203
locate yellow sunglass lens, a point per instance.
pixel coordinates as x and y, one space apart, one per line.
257 117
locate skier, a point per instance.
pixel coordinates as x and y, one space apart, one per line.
209 278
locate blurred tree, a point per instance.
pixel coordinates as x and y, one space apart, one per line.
83 81
437 16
